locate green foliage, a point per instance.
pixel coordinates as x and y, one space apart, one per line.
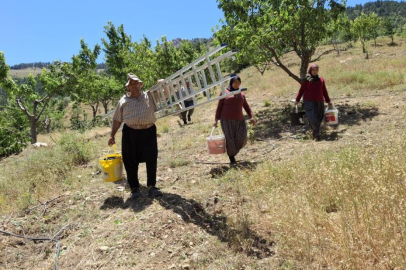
14 134
365 28
124 56
264 30
381 8
54 114
76 148
78 119
390 26
33 96
116 48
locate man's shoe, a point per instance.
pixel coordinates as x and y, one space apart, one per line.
154 192
188 118
135 194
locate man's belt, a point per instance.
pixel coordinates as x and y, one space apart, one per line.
140 126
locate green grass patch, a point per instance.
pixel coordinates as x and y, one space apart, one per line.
39 173
363 80
178 162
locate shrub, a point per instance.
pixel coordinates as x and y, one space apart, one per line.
77 148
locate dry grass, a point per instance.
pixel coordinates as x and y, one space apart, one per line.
337 210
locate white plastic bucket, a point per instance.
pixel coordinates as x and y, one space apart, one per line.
331 115
216 143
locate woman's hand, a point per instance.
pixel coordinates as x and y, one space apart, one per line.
330 105
215 124
111 141
253 121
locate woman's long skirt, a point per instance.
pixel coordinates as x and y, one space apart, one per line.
315 113
235 132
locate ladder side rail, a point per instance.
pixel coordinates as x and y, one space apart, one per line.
198 60
211 72
206 65
205 102
181 100
198 69
197 79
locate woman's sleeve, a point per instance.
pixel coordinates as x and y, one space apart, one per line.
325 93
301 91
247 108
220 105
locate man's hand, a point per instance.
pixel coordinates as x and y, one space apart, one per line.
111 141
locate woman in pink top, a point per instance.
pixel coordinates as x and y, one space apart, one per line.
229 112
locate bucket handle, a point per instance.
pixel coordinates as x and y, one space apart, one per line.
212 130
113 146
334 107
296 109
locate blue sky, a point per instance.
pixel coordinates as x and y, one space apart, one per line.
48 30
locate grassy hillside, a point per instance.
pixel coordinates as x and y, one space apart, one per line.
23 73
291 203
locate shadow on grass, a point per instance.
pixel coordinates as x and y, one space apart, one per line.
274 122
356 114
239 239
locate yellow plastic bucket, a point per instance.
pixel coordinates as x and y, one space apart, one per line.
112 165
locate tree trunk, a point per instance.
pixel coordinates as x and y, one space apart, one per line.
33 124
48 124
94 110
105 106
305 60
363 46
375 42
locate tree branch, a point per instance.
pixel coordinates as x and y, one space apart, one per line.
20 104
281 65
44 106
326 52
300 45
45 203
53 239
27 237
49 96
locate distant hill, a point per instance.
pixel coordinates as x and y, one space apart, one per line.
381 8
195 41
40 65
34 67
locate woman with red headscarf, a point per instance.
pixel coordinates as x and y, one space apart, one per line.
314 92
